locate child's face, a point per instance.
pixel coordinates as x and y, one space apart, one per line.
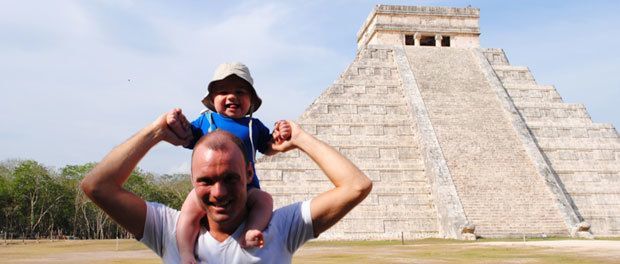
231 97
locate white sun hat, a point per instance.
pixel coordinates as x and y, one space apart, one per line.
240 70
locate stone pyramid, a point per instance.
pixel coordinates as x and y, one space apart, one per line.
458 142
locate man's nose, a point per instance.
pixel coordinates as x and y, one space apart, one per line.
218 190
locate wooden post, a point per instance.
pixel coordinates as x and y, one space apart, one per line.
402 238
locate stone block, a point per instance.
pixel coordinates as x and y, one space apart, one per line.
396 109
335 89
361 152
408 153
362 71
316 109
407 225
405 130
309 128
390 130
361 225
406 200
374 175
354 89
604 154
579 132
376 89
269 175
333 130
388 153
372 109
394 90
342 109
370 130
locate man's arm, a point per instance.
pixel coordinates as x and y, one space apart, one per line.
104 184
351 185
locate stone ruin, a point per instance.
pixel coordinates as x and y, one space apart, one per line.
458 142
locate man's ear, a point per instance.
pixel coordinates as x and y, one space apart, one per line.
250 173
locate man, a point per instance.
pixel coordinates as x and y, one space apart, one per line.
219 175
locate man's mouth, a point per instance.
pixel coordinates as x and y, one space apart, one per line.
222 204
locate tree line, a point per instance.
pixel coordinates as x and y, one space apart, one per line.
38 201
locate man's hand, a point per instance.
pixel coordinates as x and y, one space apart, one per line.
178 125
285 134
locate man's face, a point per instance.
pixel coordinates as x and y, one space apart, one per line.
231 97
220 178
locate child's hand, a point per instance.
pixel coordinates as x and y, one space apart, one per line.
177 122
281 131
285 135
253 238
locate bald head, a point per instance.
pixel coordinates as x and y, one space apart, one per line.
220 140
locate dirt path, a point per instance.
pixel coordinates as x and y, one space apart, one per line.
597 248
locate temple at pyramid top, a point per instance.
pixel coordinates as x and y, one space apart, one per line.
421 26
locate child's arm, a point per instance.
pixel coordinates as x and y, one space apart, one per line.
260 207
188 227
281 132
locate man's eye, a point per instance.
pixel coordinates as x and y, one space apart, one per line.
206 182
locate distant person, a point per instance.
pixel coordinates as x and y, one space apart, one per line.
220 173
230 100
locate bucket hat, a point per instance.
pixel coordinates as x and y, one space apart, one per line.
240 70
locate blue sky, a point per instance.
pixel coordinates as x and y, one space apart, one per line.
79 77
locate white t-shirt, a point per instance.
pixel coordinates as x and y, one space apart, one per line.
289 228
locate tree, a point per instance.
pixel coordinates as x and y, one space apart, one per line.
37 195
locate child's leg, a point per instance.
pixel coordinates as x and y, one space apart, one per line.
188 227
260 207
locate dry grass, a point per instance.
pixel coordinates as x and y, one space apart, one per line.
420 251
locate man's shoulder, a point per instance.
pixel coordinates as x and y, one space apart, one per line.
159 228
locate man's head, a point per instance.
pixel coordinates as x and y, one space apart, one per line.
220 172
231 92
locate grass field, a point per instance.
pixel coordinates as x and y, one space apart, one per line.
420 251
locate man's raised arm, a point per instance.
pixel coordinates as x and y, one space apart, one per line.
104 184
351 185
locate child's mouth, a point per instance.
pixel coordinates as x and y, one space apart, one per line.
233 106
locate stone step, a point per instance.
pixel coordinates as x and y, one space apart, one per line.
376 53
563 131
365 91
580 144
577 165
514 74
345 80
588 176
529 87
597 187
345 132
361 118
584 156
495 56
521 96
347 106
554 112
